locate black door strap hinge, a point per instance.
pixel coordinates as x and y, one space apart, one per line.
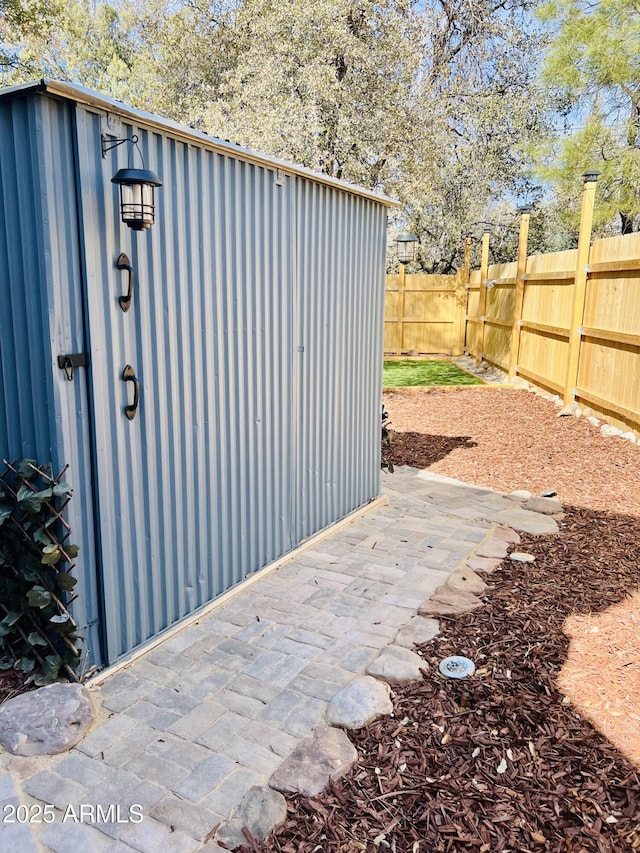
71 360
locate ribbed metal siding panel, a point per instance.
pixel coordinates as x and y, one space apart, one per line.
43 415
255 331
340 292
195 493
27 421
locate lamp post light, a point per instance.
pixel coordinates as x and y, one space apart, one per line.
406 245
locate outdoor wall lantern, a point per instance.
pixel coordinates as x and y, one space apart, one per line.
406 244
137 189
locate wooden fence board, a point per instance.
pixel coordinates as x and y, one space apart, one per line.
608 373
431 320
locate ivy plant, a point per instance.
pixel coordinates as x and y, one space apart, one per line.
385 446
38 635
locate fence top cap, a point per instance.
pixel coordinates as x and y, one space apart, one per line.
525 208
590 176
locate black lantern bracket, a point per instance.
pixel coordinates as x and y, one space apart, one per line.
108 142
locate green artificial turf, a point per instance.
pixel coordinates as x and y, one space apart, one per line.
401 373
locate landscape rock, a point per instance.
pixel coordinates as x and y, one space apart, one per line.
519 382
482 564
609 430
396 663
506 534
520 495
630 436
327 754
494 548
547 506
467 580
46 721
361 701
449 602
261 811
531 522
417 630
571 408
548 493
593 421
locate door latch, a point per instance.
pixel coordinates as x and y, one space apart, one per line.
72 360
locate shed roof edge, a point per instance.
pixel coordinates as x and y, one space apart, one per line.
89 97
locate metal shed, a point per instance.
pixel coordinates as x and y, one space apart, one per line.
255 334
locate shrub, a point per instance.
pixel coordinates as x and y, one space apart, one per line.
385 449
37 633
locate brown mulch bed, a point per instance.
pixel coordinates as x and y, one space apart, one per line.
512 440
501 761
12 683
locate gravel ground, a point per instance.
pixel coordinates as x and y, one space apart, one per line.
509 440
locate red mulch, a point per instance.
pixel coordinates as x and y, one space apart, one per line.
428 779
12 683
499 762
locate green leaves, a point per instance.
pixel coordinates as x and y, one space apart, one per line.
38 597
5 511
35 575
31 501
66 581
50 670
51 555
28 468
592 66
35 639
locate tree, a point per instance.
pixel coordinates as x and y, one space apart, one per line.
21 24
429 101
481 104
592 68
182 51
325 84
67 39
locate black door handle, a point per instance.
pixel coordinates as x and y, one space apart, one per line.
129 375
123 263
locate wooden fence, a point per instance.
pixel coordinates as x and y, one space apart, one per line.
425 313
568 322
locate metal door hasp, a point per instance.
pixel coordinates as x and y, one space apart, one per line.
71 360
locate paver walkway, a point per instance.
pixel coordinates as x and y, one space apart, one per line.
189 727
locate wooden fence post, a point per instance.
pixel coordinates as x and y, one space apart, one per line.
580 288
523 237
400 329
482 302
462 298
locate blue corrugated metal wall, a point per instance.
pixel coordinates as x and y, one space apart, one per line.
42 415
195 493
256 336
340 262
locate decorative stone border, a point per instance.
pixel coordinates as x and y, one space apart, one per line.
327 754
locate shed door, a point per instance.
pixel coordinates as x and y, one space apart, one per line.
195 491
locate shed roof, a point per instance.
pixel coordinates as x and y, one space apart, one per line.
89 97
